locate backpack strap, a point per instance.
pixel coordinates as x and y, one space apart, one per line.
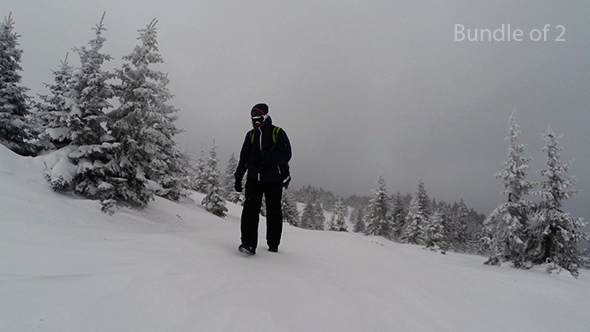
275 135
252 136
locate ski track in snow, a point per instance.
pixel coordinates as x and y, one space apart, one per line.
66 266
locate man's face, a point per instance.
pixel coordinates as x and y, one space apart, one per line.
258 119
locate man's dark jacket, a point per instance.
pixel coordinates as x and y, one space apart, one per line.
264 159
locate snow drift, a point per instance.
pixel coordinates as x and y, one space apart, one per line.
65 266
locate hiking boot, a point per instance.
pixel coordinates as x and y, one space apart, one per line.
247 250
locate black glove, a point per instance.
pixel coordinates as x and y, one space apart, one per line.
286 182
238 185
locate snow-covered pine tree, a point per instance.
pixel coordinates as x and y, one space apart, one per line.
15 128
199 182
89 164
290 211
379 220
506 229
417 216
313 215
359 220
53 112
434 233
188 170
214 201
230 193
557 232
144 123
458 235
399 214
326 198
320 218
308 217
90 92
337 222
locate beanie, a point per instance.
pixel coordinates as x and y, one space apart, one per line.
263 108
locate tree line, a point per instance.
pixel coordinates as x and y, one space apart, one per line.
411 218
126 154
521 231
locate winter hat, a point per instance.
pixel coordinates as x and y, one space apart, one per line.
262 108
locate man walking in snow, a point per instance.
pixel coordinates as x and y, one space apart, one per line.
264 156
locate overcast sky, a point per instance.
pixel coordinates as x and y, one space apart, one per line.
362 88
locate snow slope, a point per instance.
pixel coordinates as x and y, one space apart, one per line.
65 266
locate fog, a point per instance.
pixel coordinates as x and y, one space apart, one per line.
362 88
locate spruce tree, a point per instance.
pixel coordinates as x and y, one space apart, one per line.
320 218
230 193
506 229
199 182
290 211
359 220
90 93
54 112
15 128
379 215
214 201
337 222
91 153
459 223
399 214
434 231
308 217
557 231
144 123
417 216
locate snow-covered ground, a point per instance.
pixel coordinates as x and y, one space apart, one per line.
65 266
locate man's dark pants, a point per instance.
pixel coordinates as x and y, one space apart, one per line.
251 213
